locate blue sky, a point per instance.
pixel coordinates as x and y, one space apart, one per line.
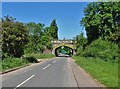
67 14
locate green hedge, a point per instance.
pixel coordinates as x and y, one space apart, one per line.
102 49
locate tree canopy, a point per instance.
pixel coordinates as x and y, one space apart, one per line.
53 29
31 37
102 20
14 37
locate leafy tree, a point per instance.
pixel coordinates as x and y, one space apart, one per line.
103 49
15 37
64 50
47 37
53 30
0 38
102 20
81 42
39 36
35 35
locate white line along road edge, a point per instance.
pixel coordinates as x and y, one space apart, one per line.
24 81
46 66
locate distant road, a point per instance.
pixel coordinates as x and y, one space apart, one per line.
56 72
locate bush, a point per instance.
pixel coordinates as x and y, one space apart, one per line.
31 59
4 55
103 49
10 62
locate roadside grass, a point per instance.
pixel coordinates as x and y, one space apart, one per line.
105 72
40 56
11 62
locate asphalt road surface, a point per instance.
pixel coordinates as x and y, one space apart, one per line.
56 72
51 73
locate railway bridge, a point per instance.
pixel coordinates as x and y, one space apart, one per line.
63 43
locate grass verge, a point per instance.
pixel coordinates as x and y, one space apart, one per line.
105 72
40 56
10 63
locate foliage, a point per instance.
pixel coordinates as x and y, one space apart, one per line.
102 26
105 72
65 50
31 59
15 36
53 29
40 56
104 50
102 20
31 37
35 33
19 38
40 36
10 62
81 42
37 37
100 54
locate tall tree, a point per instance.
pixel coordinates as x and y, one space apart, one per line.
39 37
14 37
35 37
102 20
81 42
54 29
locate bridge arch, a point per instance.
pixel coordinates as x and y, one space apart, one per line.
63 43
69 50
60 45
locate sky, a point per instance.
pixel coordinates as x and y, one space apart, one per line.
67 15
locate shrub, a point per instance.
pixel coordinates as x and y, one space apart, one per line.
10 62
103 49
31 59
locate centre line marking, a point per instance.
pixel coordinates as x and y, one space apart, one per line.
46 67
54 61
24 81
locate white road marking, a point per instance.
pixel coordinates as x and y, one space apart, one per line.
24 81
46 67
54 61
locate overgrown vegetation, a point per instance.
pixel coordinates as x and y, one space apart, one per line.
40 56
105 72
9 63
40 36
102 20
103 49
19 39
99 53
14 37
12 62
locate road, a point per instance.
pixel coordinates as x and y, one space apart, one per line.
56 72
52 73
